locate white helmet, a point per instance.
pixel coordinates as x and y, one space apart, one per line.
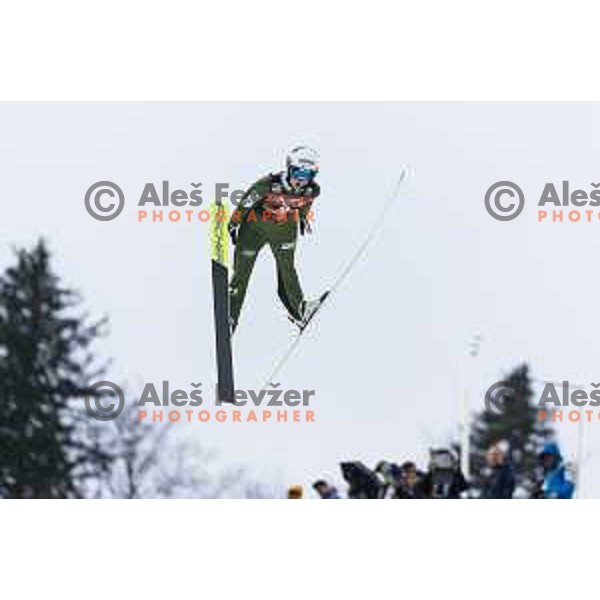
302 159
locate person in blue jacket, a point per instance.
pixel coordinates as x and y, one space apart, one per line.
556 484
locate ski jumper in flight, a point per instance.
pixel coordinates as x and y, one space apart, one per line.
271 212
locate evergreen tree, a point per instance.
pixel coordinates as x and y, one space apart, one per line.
517 423
46 367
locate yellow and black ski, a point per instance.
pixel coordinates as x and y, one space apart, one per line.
220 285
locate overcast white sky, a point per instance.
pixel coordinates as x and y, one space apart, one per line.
386 357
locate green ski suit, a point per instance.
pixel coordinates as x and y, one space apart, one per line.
270 213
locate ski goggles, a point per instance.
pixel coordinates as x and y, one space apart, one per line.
302 173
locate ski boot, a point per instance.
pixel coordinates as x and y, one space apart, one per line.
308 309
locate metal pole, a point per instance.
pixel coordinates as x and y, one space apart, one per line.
472 351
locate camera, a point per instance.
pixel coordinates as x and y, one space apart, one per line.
363 483
443 474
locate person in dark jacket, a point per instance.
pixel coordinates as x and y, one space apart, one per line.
410 487
325 490
499 478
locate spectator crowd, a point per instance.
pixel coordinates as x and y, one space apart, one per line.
444 479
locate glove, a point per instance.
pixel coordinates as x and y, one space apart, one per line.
305 227
233 231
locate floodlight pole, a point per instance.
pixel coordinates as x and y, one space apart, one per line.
472 351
